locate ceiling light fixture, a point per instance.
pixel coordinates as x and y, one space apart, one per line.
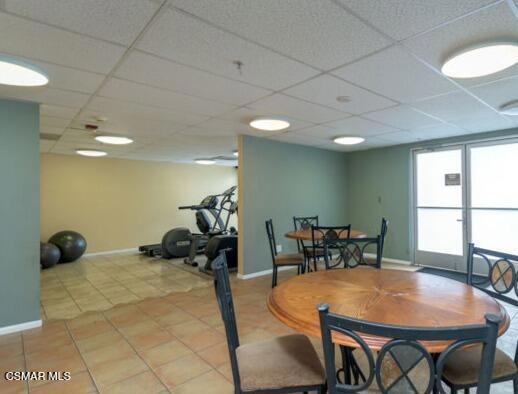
15 72
481 60
205 162
90 152
235 153
510 108
113 139
345 140
269 124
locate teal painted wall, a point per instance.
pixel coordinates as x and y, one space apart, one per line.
279 181
380 185
19 213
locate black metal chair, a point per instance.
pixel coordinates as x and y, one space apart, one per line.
351 252
282 259
287 364
304 223
319 235
460 372
403 364
383 234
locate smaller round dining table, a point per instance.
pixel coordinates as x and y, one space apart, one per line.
305 234
397 297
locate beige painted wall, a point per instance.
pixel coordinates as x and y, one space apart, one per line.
120 204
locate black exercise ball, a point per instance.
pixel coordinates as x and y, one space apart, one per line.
71 244
49 255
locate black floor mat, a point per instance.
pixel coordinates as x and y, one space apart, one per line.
458 276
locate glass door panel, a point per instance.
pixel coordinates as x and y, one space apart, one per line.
495 230
440 231
493 198
439 208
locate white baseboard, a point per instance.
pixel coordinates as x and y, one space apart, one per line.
389 260
107 252
263 273
20 327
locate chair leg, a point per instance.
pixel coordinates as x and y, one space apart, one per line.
515 385
274 277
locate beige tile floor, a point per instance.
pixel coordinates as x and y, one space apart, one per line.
98 283
170 343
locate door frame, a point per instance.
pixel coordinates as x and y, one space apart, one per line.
414 206
504 139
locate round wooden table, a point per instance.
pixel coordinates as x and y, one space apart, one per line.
305 235
385 296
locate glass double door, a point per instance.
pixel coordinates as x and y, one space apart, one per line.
465 193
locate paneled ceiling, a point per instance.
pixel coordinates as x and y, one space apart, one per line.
165 71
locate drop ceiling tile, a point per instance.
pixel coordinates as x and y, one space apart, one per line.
404 18
201 45
225 127
494 23
143 128
299 139
201 132
49 121
319 33
115 20
485 122
127 112
499 92
359 126
325 89
44 95
33 40
283 105
45 146
57 111
147 95
402 117
454 107
319 132
435 132
395 73
51 130
160 73
399 137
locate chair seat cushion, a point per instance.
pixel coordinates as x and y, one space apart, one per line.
287 361
462 367
289 258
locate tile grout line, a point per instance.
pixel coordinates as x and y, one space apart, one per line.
137 353
82 358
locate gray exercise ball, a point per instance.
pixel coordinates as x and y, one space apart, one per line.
71 244
49 255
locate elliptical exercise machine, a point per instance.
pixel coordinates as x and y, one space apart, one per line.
180 242
225 209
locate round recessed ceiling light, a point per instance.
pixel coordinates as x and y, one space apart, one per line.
235 153
269 124
348 140
481 60
90 152
113 139
14 72
510 108
206 162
